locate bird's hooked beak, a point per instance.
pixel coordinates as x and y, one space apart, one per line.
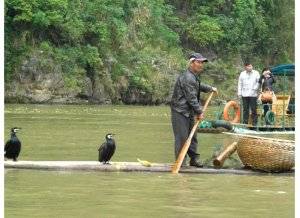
16 129
110 136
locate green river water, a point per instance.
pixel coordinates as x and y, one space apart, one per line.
54 132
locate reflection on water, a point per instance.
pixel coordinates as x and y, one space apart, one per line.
75 132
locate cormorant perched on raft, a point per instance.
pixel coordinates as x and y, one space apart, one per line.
13 146
107 149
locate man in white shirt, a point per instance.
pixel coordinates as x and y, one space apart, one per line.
248 91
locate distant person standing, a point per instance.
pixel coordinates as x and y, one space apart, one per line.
248 87
267 79
185 107
267 95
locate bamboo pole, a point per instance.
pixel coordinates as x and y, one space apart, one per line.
187 143
122 167
229 150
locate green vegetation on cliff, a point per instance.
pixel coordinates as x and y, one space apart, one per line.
132 50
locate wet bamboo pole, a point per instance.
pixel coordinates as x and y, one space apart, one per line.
229 150
122 167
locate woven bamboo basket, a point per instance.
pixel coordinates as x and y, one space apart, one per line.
267 154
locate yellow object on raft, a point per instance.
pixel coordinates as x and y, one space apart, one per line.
144 163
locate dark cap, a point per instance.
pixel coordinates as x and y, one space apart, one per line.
198 57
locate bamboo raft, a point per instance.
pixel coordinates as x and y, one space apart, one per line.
123 167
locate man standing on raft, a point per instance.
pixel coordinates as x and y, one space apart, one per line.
248 86
185 107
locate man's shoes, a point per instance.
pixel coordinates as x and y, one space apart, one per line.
196 163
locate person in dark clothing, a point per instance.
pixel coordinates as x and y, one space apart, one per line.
185 107
266 81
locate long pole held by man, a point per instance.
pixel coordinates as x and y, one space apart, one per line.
186 107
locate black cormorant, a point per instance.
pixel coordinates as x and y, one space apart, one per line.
13 146
107 149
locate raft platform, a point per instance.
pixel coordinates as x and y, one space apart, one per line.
126 167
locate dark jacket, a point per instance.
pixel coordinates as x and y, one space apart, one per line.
186 95
267 82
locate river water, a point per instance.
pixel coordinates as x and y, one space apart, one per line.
54 132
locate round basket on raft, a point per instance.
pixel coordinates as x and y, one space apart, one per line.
267 154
